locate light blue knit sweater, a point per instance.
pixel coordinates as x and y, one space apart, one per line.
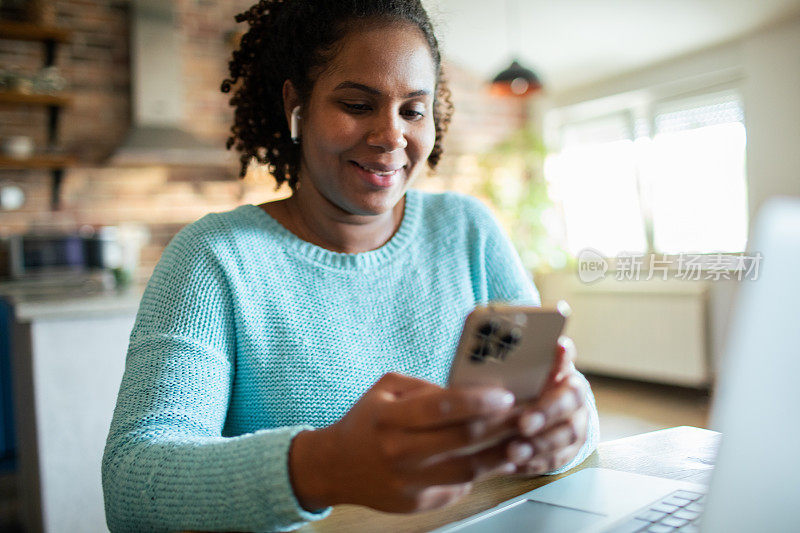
247 335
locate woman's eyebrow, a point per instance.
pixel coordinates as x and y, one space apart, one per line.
374 91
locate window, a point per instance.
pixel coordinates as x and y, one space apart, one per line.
594 179
668 178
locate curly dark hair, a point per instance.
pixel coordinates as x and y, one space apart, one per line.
290 40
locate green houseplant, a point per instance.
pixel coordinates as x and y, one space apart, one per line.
513 182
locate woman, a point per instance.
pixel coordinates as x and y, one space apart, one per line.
291 356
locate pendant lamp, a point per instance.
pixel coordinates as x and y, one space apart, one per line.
515 80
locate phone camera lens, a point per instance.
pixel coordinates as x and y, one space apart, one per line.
488 328
481 352
513 337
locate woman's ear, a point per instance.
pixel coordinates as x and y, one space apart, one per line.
290 101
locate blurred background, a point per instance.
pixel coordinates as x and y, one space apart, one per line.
625 145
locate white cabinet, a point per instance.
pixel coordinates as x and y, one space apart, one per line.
67 358
657 330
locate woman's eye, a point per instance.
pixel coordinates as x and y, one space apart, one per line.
355 108
413 114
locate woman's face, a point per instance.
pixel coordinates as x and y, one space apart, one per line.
368 127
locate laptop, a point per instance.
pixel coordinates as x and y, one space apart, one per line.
755 485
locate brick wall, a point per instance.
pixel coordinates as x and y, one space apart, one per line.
96 65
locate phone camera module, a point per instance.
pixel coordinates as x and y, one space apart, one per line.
481 352
513 337
488 328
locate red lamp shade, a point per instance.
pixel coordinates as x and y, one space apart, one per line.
516 80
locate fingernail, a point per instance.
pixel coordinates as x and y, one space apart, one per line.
520 452
538 466
499 399
532 423
508 468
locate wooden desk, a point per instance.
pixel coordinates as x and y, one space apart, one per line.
683 453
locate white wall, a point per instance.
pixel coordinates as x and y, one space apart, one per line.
765 65
772 111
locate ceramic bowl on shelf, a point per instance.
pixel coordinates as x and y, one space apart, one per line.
17 146
48 81
11 196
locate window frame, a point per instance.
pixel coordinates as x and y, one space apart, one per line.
642 107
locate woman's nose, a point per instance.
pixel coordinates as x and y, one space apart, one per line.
388 134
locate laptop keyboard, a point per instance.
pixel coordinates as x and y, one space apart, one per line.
678 512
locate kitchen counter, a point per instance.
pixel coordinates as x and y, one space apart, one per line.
70 298
69 338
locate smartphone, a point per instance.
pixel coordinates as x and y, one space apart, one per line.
509 346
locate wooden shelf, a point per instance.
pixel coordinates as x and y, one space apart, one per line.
50 37
58 100
26 31
45 161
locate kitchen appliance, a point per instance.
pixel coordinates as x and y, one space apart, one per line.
49 255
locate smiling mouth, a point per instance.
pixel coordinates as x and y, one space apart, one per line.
378 172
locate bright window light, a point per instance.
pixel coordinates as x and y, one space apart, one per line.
699 196
596 187
683 189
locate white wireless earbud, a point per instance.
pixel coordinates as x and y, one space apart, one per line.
294 127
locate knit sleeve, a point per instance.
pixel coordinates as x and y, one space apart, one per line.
506 278
166 464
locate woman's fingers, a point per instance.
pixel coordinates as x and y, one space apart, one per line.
464 468
413 448
563 362
438 496
394 386
566 359
547 462
553 407
550 449
563 435
444 407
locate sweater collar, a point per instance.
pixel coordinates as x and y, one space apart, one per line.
360 261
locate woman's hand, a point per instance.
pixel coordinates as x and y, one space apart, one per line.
554 427
407 445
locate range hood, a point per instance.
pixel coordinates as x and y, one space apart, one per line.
157 135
